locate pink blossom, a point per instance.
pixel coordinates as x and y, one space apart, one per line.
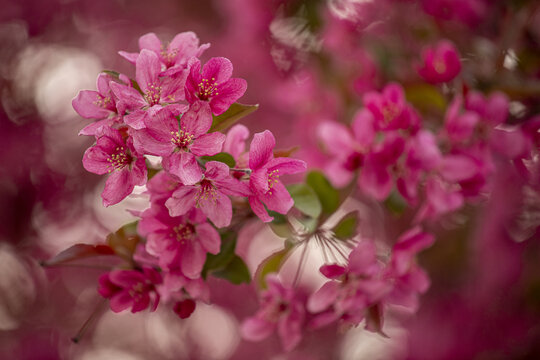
99 105
157 91
264 179
130 289
210 194
407 277
347 148
179 144
459 125
492 110
113 154
173 56
352 290
389 108
214 86
282 308
440 63
180 241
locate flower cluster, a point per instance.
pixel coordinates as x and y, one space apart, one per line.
168 111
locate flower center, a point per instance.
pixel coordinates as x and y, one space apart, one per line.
119 159
137 290
104 102
183 233
181 139
389 112
207 191
207 89
273 179
439 66
153 94
169 55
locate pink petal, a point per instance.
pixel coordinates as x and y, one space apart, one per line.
375 182
208 144
131 57
456 168
151 42
323 319
363 128
120 301
117 187
96 161
235 143
324 297
290 330
218 209
182 200
192 260
258 182
278 199
185 166
332 271
336 137
216 170
256 329
147 69
198 119
218 68
209 238
86 105
259 209
228 93
285 165
261 149
128 98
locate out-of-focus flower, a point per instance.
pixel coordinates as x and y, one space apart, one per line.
440 63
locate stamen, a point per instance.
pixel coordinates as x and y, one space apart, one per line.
207 89
153 94
181 139
183 233
119 159
206 192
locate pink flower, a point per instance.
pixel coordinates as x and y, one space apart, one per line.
173 56
347 148
280 308
492 110
162 136
99 105
353 289
130 289
459 126
440 63
156 91
112 154
210 195
264 179
180 241
389 108
408 278
214 86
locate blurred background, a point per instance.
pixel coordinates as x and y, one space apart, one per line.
305 62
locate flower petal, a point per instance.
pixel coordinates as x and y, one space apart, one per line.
209 238
182 200
208 144
261 149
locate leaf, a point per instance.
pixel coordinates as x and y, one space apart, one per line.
286 152
150 171
305 199
346 227
396 203
327 194
223 258
272 264
425 97
112 73
124 240
223 157
235 112
79 251
236 271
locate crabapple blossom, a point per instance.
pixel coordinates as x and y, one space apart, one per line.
440 63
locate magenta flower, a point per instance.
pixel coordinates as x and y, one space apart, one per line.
492 110
280 308
214 85
440 63
112 154
352 290
180 241
407 277
156 91
264 179
99 105
162 136
347 148
389 108
173 56
210 195
459 125
130 289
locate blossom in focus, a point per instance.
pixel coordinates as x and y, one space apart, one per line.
210 194
440 63
281 308
117 156
214 86
264 180
130 289
174 56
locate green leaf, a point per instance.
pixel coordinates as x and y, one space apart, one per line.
223 157
305 199
327 194
236 271
124 240
112 73
395 203
235 112
223 258
425 97
272 264
346 227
